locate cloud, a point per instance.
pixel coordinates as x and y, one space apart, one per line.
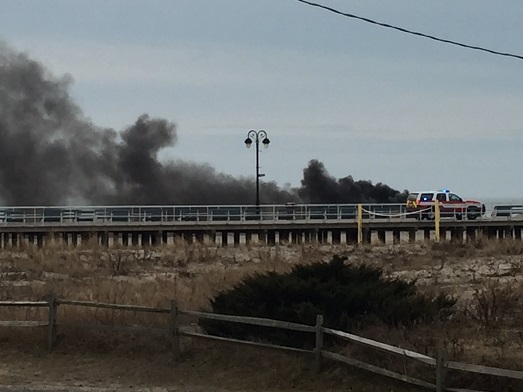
225 87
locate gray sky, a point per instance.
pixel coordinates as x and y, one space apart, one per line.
366 101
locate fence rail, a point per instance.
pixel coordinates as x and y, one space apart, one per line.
175 331
378 370
251 320
102 305
29 304
382 346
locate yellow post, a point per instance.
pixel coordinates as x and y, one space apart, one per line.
436 220
360 224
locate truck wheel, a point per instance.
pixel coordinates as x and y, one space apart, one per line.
472 213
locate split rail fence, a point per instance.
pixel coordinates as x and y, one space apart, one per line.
174 330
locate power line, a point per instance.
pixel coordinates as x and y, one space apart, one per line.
446 41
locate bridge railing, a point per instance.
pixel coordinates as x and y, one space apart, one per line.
150 214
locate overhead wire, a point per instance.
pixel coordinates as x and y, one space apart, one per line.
407 31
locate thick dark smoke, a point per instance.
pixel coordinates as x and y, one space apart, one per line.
318 186
50 154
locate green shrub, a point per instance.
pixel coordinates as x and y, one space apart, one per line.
347 297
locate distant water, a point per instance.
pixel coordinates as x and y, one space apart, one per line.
490 202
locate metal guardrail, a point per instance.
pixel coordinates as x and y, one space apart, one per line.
150 214
507 210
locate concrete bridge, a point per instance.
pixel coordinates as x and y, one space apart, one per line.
233 225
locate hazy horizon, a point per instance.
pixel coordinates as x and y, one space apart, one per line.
367 102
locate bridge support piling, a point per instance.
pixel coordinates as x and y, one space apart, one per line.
329 237
396 237
343 237
110 239
170 238
255 238
243 238
367 236
460 235
218 238
276 238
471 234
158 238
48 238
230 239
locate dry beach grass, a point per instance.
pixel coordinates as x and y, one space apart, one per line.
486 276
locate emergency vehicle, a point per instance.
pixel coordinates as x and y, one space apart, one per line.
450 205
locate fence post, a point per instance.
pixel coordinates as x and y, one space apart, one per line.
175 337
319 341
437 220
51 327
360 224
441 370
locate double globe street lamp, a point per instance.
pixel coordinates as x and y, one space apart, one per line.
256 137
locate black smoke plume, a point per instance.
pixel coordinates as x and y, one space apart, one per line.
50 154
318 186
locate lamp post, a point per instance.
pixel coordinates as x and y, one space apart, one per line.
257 136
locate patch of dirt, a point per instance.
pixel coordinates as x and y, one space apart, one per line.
193 274
205 367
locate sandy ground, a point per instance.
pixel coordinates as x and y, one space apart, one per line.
196 272
224 370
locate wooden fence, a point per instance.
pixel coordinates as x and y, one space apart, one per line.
174 330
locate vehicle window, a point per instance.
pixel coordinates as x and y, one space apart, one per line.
441 197
453 197
426 197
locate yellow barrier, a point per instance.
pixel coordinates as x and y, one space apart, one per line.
436 221
360 224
